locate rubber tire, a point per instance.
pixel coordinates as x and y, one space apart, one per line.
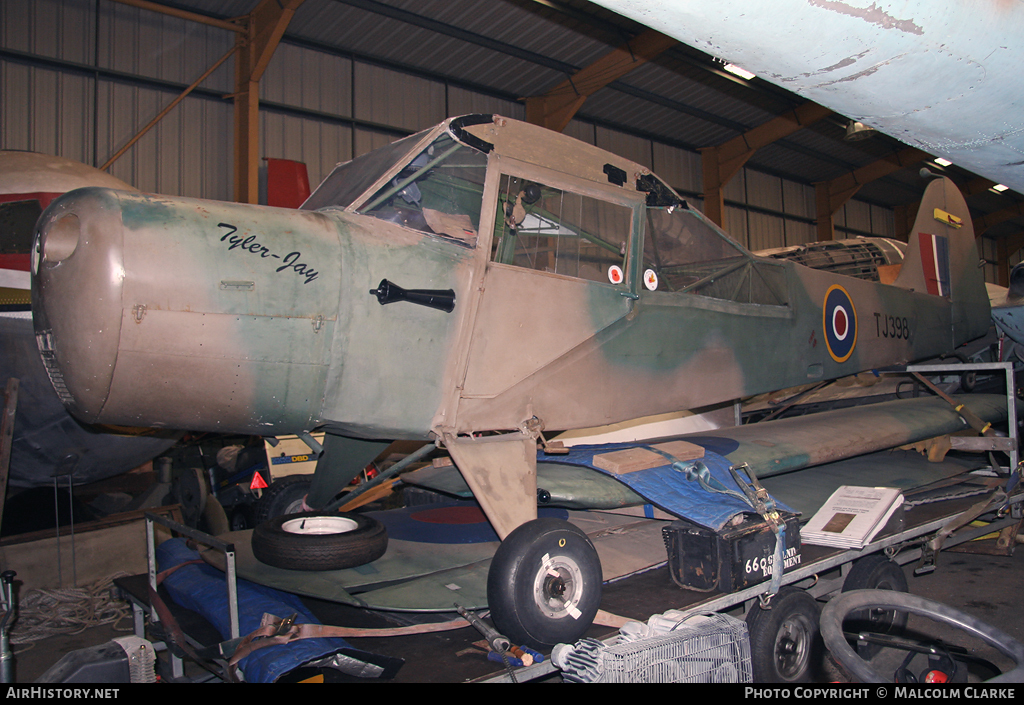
875 572
272 545
517 574
282 497
785 641
836 611
968 380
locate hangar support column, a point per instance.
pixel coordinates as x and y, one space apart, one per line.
722 162
264 27
831 195
257 36
1006 247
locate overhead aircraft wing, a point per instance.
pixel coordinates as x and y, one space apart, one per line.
935 74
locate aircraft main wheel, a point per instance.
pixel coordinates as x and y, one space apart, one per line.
837 610
875 572
785 643
544 585
319 541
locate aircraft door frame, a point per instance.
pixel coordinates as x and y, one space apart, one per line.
617 195
526 301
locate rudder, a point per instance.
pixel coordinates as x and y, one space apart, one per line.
942 260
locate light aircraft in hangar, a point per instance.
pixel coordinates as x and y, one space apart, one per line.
475 284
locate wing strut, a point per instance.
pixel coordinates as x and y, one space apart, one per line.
502 472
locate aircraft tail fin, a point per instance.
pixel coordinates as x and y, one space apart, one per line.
942 259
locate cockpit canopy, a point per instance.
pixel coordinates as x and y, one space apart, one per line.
433 182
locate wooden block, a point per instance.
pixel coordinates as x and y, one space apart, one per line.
629 460
682 450
621 462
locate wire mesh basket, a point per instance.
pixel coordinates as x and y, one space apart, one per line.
713 648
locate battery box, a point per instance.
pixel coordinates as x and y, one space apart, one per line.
741 554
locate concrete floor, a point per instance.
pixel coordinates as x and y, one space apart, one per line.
984 586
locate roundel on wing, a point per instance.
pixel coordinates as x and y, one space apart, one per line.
840 323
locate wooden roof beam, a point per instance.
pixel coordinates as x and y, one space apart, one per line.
229 25
721 163
557 107
831 195
1000 216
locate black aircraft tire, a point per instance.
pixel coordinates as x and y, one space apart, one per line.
875 572
292 541
785 641
284 496
544 584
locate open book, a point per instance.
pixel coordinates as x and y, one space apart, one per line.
852 516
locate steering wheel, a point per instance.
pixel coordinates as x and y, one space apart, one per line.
839 607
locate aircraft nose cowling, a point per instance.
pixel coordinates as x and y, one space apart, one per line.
78 258
186 314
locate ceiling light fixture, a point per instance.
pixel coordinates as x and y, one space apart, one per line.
942 162
999 188
738 71
858 131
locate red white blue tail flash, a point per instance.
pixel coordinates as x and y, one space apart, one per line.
935 262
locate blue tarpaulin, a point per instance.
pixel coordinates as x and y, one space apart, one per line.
668 488
203 589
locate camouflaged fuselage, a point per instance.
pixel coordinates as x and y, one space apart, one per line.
224 317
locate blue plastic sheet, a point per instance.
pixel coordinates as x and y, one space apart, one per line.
203 589
668 488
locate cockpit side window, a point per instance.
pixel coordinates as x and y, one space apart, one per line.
689 255
550 229
439 191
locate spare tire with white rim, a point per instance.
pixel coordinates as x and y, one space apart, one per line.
319 541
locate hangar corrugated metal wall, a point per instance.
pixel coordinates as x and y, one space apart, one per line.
79 78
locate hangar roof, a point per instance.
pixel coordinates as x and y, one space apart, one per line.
515 49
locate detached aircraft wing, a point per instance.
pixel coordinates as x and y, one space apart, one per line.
769 449
801 461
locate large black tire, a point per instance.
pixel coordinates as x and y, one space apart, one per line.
544 584
295 541
875 572
837 610
284 496
785 641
